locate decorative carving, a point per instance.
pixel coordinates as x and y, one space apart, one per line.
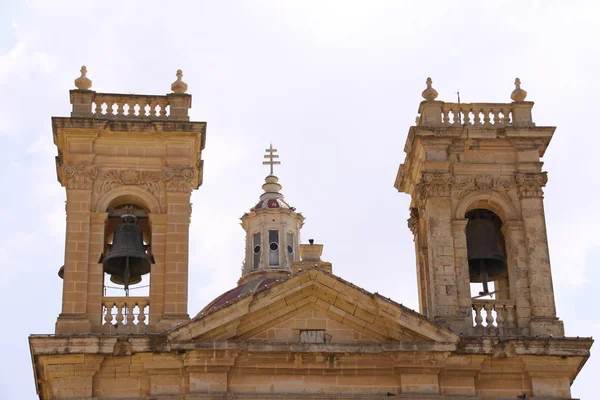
434 184
413 221
83 82
481 183
179 179
530 184
518 94
79 176
114 178
179 86
429 93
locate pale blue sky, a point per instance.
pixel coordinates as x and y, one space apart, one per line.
335 86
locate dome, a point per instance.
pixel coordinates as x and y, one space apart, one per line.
272 203
253 286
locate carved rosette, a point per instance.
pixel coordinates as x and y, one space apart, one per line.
79 176
434 185
482 183
531 184
413 221
179 179
129 177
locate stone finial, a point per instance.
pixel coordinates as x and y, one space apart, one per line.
83 82
518 94
430 93
179 86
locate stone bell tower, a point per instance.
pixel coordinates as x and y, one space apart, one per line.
137 156
475 178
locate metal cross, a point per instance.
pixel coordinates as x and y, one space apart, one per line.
271 156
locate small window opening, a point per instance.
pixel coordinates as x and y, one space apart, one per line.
290 243
256 251
273 248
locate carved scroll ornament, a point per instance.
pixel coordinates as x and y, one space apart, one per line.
531 184
115 178
79 176
434 184
413 221
481 183
179 179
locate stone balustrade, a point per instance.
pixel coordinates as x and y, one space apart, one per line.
125 311
89 104
130 106
494 317
476 114
436 113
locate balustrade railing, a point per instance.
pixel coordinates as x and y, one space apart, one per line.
125 311
89 104
130 106
476 114
494 317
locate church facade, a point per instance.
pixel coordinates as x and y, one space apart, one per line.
291 328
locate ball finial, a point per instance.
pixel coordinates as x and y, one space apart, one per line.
429 93
518 94
83 82
179 86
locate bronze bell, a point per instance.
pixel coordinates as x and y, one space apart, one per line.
127 259
487 262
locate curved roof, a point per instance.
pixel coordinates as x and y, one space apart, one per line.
272 203
253 286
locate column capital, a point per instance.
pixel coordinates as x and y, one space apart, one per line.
530 184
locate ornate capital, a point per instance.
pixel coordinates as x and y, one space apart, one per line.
481 183
129 177
530 184
413 221
179 179
79 176
434 184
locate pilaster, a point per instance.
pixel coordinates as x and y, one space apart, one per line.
95 270
73 317
176 260
543 311
158 226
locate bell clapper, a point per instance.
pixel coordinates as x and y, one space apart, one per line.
126 276
484 278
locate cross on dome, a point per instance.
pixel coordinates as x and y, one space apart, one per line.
271 156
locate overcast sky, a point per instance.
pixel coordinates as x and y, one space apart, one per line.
335 86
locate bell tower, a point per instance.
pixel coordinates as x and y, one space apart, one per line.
272 230
129 164
475 178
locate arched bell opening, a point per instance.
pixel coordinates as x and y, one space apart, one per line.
486 253
127 254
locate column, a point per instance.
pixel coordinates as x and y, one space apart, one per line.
78 180
434 191
95 283
461 262
176 257
543 310
158 229
516 260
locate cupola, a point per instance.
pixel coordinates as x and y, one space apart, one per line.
272 230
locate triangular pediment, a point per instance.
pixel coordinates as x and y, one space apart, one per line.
313 300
